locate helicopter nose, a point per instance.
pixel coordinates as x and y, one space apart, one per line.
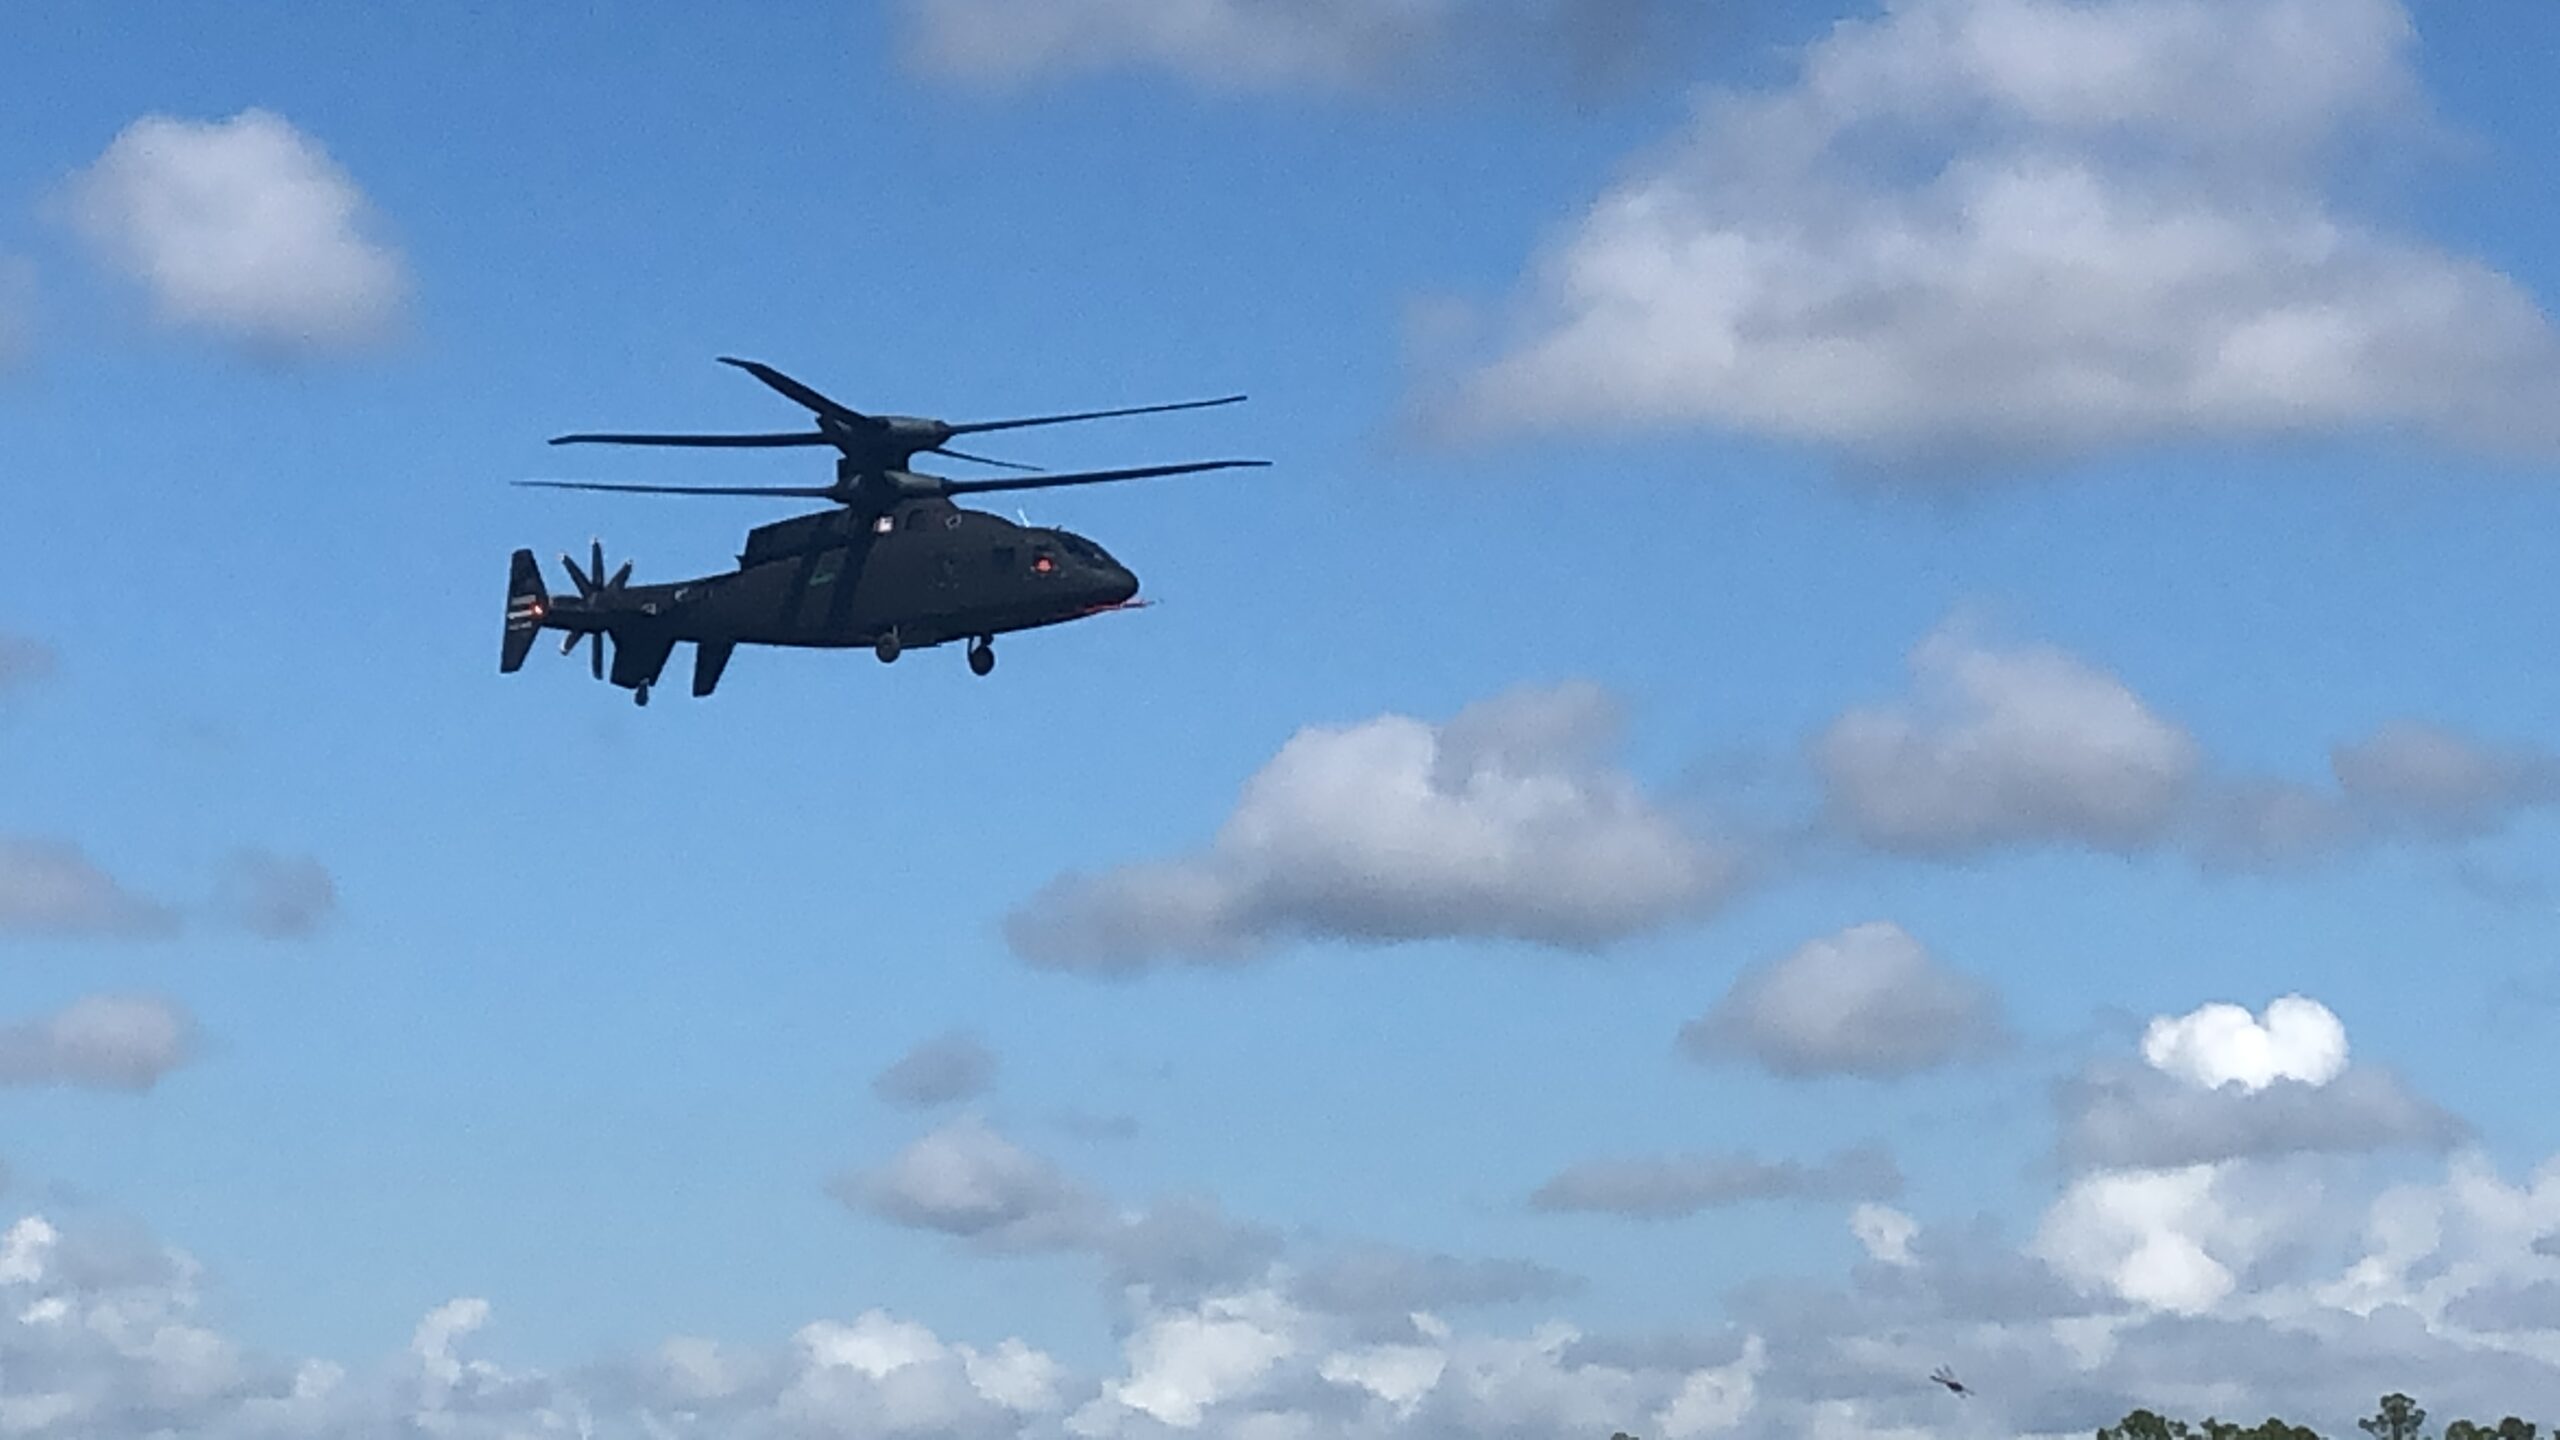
1119 584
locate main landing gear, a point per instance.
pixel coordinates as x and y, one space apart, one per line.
982 655
886 647
640 694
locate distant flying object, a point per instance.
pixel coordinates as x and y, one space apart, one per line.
1947 1377
894 565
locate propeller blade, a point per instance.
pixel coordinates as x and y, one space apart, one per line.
570 641
797 393
1092 477
813 492
620 577
586 587
595 653
978 427
596 554
729 442
983 460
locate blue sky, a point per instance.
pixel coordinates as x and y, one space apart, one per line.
1805 533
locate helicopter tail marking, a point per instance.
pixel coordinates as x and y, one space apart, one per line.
527 599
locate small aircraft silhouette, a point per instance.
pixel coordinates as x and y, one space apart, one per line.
1947 1377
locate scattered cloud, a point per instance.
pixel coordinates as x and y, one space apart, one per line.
1386 1280
1975 234
1869 1001
50 888
2219 1084
2005 747
2424 777
244 229
100 1042
1243 47
942 1071
1504 822
24 660
283 897
1669 1187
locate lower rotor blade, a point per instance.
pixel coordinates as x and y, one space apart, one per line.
813 492
1093 477
983 460
979 427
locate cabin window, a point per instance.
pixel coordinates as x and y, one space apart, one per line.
1003 556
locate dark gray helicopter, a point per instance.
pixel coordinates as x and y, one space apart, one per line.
893 565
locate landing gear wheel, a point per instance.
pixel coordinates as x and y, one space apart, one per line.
639 694
886 648
982 657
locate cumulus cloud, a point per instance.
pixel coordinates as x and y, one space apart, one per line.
2219 1083
1669 1187
1985 232
1504 822
51 888
1999 747
283 897
99 1042
941 1071
244 229
1869 1001
1262 46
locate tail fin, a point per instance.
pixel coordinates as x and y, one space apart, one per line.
527 599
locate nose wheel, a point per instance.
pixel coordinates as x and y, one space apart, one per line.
886 647
982 655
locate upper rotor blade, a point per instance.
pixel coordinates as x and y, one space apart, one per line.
984 460
814 492
1092 477
708 442
977 427
798 393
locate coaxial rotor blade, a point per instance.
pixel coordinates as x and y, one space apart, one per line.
983 460
814 492
978 427
793 390
1091 477
712 442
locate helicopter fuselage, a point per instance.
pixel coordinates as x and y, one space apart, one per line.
923 574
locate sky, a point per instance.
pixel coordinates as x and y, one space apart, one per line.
1887 706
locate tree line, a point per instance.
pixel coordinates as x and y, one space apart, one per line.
2397 1418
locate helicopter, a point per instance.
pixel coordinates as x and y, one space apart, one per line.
893 564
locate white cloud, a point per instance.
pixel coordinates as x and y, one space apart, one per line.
104 1042
2001 747
2222 1044
2223 1084
1668 1187
1868 1001
966 1180
244 229
1884 1233
1994 230
946 1069
49 887
1501 823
